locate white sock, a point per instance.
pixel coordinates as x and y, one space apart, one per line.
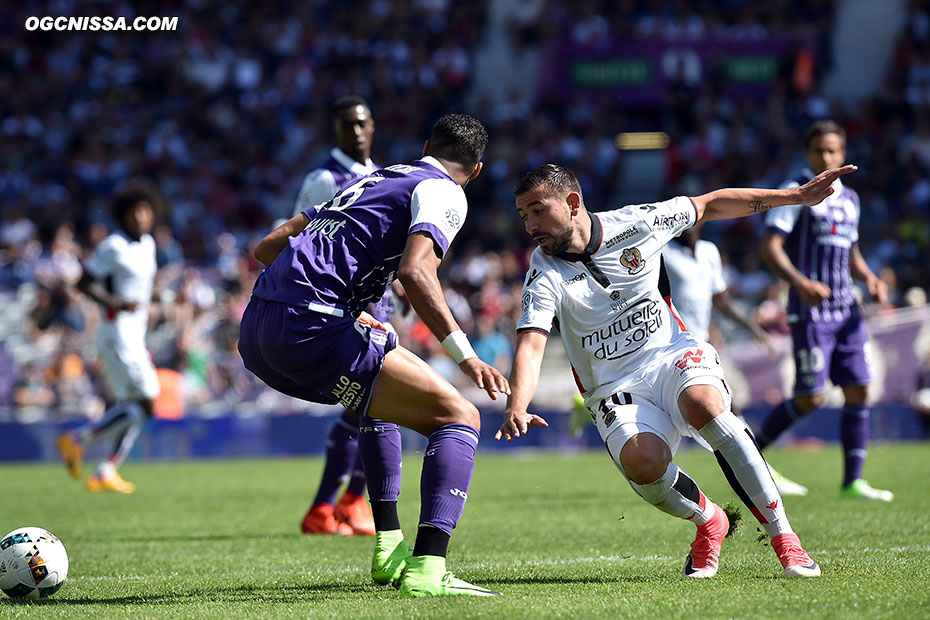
678 495
126 442
746 471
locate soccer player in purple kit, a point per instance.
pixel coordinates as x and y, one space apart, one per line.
305 334
815 249
354 127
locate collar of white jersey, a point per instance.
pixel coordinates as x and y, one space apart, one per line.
435 163
351 165
594 243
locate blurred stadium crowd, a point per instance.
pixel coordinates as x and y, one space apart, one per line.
227 114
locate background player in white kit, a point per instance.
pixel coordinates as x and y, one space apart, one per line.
120 277
695 274
646 380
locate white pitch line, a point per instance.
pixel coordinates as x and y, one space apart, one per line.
595 559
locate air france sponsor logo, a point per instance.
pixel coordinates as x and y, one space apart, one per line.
578 278
623 236
459 493
627 333
661 222
633 260
325 226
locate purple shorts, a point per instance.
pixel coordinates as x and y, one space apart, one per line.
315 357
835 350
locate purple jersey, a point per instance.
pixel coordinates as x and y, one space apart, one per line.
818 241
351 249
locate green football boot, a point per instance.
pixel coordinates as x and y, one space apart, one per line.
860 489
426 576
391 553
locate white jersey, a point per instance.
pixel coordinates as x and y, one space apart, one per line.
126 268
321 184
695 277
611 304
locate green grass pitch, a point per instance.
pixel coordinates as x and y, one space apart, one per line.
560 535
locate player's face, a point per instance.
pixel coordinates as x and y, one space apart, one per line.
354 128
826 152
547 219
140 219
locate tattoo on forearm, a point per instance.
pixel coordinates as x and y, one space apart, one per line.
756 206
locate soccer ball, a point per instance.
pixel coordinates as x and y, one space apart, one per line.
33 563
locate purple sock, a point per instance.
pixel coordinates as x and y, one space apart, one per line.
380 449
854 433
778 420
447 469
357 481
341 453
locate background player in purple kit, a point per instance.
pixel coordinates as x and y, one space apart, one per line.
300 335
815 250
354 127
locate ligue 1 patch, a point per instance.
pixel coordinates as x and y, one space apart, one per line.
633 260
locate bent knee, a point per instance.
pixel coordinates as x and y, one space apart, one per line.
460 411
645 458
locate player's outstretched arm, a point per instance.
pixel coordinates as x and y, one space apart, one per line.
524 379
725 204
93 289
268 248
417 272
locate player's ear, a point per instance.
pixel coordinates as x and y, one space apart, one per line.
476 171
574 202
425 149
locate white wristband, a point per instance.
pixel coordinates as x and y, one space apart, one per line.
458 346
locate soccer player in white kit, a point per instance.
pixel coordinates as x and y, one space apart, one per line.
646 380
695 274
120 277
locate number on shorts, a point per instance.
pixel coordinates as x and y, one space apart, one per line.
811 360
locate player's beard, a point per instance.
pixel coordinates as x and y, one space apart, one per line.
561 241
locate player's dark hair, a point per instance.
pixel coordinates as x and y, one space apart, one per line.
459 138
129 195
822 128
346 103
557 181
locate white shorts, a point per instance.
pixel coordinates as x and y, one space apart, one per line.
128 370
651 406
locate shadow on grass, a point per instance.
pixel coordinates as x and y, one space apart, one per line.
233 594
169 538
572 580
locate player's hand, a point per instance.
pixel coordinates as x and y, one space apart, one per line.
878 290
486 377
517 423
812 292
817 189
369 321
